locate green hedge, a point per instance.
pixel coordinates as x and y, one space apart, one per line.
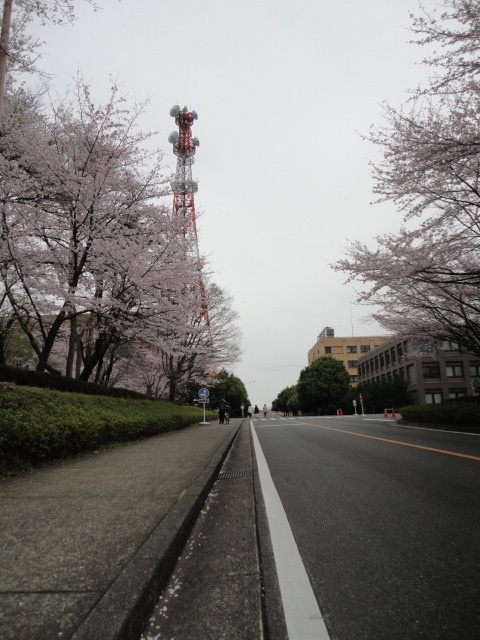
27 377
457 415
38 426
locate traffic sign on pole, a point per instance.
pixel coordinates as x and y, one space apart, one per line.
203 394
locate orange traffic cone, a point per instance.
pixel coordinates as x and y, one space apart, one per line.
393 413
385 415
341 412
338 412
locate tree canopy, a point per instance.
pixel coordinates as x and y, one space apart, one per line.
227 385
94 270
322 384
281 401
384 394
425 280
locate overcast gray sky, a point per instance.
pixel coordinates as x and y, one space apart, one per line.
283 89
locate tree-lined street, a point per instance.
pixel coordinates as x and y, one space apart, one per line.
387 522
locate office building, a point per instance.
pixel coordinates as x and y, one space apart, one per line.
347 350
445 371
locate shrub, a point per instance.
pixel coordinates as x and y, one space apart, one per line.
457 415
38 426
26 377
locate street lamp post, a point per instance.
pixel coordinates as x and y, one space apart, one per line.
245 384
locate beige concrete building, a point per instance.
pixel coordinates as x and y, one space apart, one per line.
347 350
451 373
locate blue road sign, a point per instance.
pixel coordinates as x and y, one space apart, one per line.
203 393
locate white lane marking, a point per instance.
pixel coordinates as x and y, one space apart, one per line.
302 615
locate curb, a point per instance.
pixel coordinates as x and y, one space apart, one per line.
123 611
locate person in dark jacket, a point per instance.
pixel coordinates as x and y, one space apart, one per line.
222 407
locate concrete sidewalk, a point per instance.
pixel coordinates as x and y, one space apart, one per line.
87 545
215 591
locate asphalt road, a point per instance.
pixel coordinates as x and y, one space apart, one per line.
387 522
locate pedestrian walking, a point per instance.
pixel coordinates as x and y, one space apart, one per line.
222 408
265 410
256 411
249 410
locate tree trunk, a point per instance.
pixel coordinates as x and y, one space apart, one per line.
93 360
102 343
4 37
79 357
108 371
3 339
172 389
72 347
44 355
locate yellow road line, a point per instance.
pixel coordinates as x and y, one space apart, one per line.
403 444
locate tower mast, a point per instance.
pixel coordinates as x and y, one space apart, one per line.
183 185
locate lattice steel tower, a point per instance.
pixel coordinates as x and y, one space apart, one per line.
183 185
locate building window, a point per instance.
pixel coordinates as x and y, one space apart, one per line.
364 348
382 362
475 369
400 351
394 355
454 371
433 397
351 349
328 349
387 358
352 364
448 345
376 363
428 346
457 393
431 370
353 378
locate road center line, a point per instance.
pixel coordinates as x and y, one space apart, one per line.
302 615
403 444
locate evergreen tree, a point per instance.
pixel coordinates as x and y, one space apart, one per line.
322 385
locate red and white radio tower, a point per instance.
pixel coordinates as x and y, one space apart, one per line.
183 185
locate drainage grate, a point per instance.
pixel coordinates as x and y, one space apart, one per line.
229 475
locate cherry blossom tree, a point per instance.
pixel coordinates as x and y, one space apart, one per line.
187 351
205 346
16 46
93 268
425 280
456 30
85 234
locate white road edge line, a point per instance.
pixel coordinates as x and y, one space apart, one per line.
302 615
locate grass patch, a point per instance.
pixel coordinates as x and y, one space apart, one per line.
40 426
